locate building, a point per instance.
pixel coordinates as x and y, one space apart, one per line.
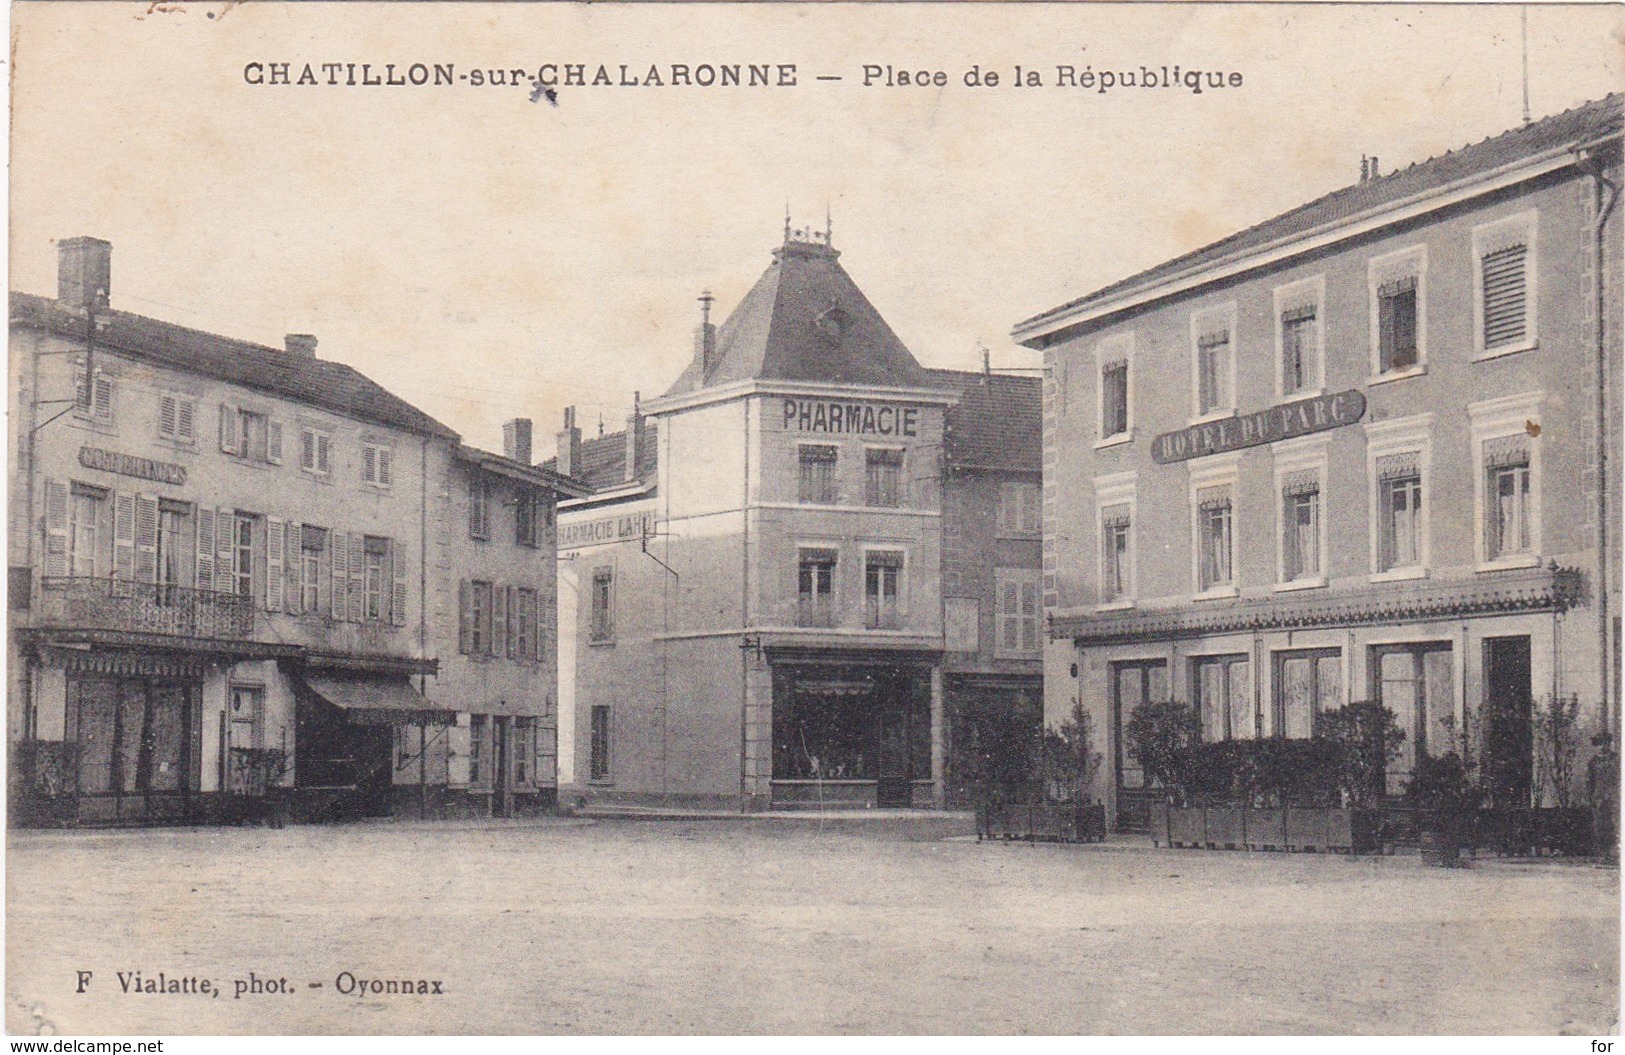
219 555
1360 451
786 582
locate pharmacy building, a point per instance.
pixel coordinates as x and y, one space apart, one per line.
246 581
808 573
1360 451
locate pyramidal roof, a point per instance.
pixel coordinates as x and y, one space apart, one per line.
805 320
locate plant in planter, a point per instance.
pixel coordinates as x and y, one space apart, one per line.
1366 739
1446 798
1160 736
1555 723
1068 764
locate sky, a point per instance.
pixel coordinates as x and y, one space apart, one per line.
488 257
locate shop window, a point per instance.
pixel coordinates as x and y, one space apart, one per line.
1223 690
817 482
816 589
598 749
1417 682
1308 683
479 750
1017 612
524 747
603 604
883 484
882 576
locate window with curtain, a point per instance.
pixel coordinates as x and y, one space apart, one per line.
1298 349
1214 569
1213 372
882 576
1300 526
1506 507
816 588
1308 682
1399 511
1114 399
1223 691
1397 324
1115 579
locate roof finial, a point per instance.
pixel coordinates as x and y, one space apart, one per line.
600 424
787 219
705 306
829 225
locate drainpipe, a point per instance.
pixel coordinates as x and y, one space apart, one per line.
1606 194
744 617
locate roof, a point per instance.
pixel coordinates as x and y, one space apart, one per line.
1587 123
539 475
998 422
316 382
806 320
603 460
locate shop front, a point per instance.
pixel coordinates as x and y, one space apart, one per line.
851 732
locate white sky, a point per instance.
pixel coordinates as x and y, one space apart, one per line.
487 258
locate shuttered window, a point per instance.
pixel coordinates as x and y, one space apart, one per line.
1505 278
1017 611
817 481
1114 399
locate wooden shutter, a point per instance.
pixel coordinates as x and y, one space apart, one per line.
103 408
322 447
167 414
339 545
397 597
465 617
536 625
369 463
1505 294
273 441
358 578
56 527
124 536
228 428
499 621
146 538
293 598
383 466
276 549
185 417
203 578
225 539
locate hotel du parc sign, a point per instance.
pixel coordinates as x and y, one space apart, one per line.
1260 427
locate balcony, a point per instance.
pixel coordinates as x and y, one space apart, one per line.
82 603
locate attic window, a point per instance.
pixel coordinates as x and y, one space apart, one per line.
833 324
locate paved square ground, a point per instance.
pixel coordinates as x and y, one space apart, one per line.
788 926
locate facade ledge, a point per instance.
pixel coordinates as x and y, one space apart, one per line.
225 648
1501 353
1116 440
369 662
1116 606
1419 370
1540 589
1218 593
1400 574
1317 583
1526 560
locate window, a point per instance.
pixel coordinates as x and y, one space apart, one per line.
479 750
177 418
1017 611
1214 539
529 517
1506 445
883 483
603 604
817 484
175 544
479 507
1298 337
1212 334
1116 574
247 434
375 579
882 574
1300 526
1503 281
93 401
1417 682
598 751
1400 513
1019 510
524 610
474 637
1307 682
1223 691
314 451
312 542
524 739
816 590
243 555
375 464
85 505
1398 287
1114 361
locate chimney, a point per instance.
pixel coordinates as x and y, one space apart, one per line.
705 338
84 272
300 344
516 440
569 444
634 436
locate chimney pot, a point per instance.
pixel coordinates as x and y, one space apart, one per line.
84 272
300 344
516 440
634 436
569 444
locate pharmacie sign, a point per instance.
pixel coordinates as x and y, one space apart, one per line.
854 419
606 529
1263 426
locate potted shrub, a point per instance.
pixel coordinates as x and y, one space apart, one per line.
1160 736
1069 764
1364 739
1445 799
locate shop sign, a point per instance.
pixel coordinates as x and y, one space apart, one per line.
856 419
130 465
606 529
1263 426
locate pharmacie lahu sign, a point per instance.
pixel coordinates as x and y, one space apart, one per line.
1263 426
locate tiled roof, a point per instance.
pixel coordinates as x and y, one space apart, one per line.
1583 124
316 382
603 460
805 320
998 423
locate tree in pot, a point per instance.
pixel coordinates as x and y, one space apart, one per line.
1160 738
1366 739
1069 761
1445 798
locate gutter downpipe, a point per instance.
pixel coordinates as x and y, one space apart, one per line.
1589 163
744 621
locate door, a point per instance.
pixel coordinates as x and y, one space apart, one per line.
1417 682
1134 684
375 768
1508 743
501 800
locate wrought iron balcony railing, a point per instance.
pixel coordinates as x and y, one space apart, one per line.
84 603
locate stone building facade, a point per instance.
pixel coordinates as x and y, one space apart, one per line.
1360 451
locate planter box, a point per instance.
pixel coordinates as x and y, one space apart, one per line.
1007 822
1159 824
1050 823
1266 829
1227 827
1306 829
1187 826
1091 823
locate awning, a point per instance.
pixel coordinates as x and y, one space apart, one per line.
377 699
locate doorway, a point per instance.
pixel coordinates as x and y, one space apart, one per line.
1133 684
138 747
1508 700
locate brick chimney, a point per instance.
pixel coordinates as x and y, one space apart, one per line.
516 440
634 436
705 337
569 444
84 272
300 344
